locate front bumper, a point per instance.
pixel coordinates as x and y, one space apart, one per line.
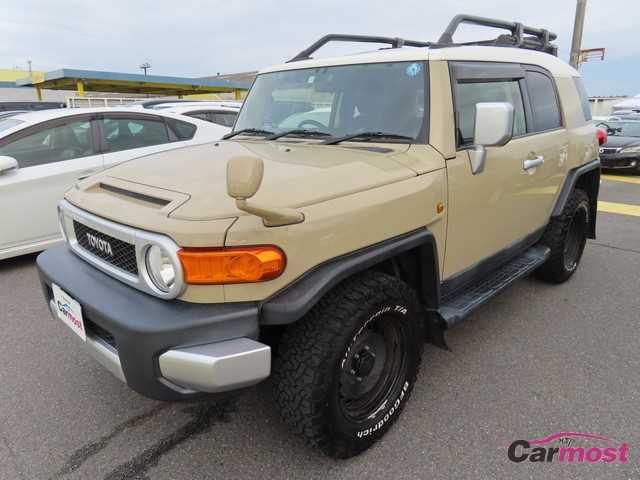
620 161
167 350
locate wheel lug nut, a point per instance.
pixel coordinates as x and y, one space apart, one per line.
356 356
352 372
358 379
367 348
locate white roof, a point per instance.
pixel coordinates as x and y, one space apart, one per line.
172 105
464 53
204 108
35 117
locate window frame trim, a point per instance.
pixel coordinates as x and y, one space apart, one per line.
53 123
470 71
473 71
546 73
100 117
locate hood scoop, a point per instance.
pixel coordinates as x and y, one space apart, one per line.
160 202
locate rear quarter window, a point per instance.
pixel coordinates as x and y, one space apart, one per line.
544 102
182 130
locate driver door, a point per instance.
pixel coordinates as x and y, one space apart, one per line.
51 157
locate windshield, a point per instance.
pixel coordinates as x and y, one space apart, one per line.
621 129
7 123
340 100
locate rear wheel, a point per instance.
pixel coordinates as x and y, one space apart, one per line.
345 371
566 236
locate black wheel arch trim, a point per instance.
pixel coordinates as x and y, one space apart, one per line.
295 300
590 175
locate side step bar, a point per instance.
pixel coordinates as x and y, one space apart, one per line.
460 303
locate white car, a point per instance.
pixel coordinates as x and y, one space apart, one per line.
221 114
44 153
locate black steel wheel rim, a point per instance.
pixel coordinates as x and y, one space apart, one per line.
576 238
374 369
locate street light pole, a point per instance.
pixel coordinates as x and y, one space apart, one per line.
578 28
145 66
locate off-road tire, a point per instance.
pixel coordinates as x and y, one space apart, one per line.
314 364
563 260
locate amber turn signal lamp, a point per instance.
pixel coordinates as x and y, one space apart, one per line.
210 266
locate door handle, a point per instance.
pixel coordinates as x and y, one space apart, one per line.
533 163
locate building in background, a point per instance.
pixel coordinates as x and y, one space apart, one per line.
97 88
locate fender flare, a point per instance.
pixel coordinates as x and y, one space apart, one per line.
573 178
294 301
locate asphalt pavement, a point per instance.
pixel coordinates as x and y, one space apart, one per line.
538 359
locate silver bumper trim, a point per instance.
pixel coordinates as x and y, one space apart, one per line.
102 352
217 367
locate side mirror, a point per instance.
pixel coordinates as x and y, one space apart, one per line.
244 176
7 164
493 128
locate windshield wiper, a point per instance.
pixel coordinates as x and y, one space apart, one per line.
298 131
367 136
250 131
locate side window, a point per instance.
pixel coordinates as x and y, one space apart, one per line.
127 133
226 119
469 94
199 115
584 99
50 145
544 102
182 130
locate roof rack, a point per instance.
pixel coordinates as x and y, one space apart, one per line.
521 35
394 42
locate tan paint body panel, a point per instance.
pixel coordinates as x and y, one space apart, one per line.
502 205
295 175
351 197
343 225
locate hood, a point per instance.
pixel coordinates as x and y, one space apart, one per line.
295 174
621 142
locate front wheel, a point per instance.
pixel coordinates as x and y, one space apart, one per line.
566 236
345 371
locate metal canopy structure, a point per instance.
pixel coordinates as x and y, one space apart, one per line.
114 82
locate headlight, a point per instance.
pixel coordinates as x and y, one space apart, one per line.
160 268
631 150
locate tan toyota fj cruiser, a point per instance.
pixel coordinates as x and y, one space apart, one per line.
362 205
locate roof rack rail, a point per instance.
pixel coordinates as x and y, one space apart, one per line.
521 35
394 42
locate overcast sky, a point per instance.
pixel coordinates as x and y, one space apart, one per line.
197 38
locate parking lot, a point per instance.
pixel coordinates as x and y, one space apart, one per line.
538 359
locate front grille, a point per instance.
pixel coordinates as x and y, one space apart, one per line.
609 151
619 163
112 250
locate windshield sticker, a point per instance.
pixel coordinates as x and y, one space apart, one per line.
311 79
414 69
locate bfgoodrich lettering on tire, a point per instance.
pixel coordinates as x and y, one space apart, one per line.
344 372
